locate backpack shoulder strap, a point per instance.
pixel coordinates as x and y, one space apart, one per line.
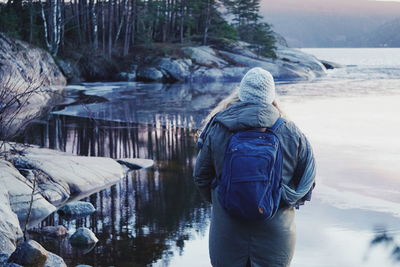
277 124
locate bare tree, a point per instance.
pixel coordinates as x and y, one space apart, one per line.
13 102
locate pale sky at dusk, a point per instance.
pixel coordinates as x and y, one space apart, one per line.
366 7
332 23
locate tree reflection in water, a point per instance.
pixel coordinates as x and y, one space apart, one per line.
387 239
148 215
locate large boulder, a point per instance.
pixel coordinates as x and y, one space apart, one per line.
54 260
77 174
149 74
19 192
30 73
301 61
10 229
77 209
204 56
175 70
29 254
204 74
83 237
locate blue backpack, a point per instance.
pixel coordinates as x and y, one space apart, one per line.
250 184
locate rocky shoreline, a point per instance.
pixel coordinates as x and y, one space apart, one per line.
227 63
55 178
209 64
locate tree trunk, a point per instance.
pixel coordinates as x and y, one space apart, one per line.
207 22
110 26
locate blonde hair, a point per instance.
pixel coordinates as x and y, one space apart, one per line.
222 105
229 101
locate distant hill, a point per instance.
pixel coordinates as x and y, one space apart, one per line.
333 30
386 35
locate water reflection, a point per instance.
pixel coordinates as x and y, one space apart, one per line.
387 239
148 214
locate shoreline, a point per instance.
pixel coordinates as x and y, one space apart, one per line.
61 178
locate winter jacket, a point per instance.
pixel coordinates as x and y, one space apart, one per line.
265 243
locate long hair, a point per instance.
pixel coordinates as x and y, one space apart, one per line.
229 101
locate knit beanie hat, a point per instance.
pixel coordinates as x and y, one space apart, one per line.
257 86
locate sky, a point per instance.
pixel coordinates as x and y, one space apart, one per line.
333 23
366 7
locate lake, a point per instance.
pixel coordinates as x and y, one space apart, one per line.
155 217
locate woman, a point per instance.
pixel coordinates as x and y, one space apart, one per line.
234 242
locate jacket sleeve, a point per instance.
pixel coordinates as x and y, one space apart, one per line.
305 173
204 171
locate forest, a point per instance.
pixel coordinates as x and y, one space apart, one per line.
118 28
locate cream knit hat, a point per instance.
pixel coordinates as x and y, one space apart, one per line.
257 86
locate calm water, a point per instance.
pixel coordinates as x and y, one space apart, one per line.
155 217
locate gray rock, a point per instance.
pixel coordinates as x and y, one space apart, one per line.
54 260
83 237
4 261
234 74
29 253
187 61
149 74
246 61
136 163
18 191
125 76
301 61
70 70
176 70
204 56
331 65
25 67
77 208
204 74
52 231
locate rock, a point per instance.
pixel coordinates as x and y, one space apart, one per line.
234 74
29 254
175 70
10 229
204 74
83 237
70 70
204 56
187 61
136 163
125 76
331 65
4 261
291 64
79 175
83 265
19 190
24 68
77 209
62 176
52 231
149 74
54 260
301 61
